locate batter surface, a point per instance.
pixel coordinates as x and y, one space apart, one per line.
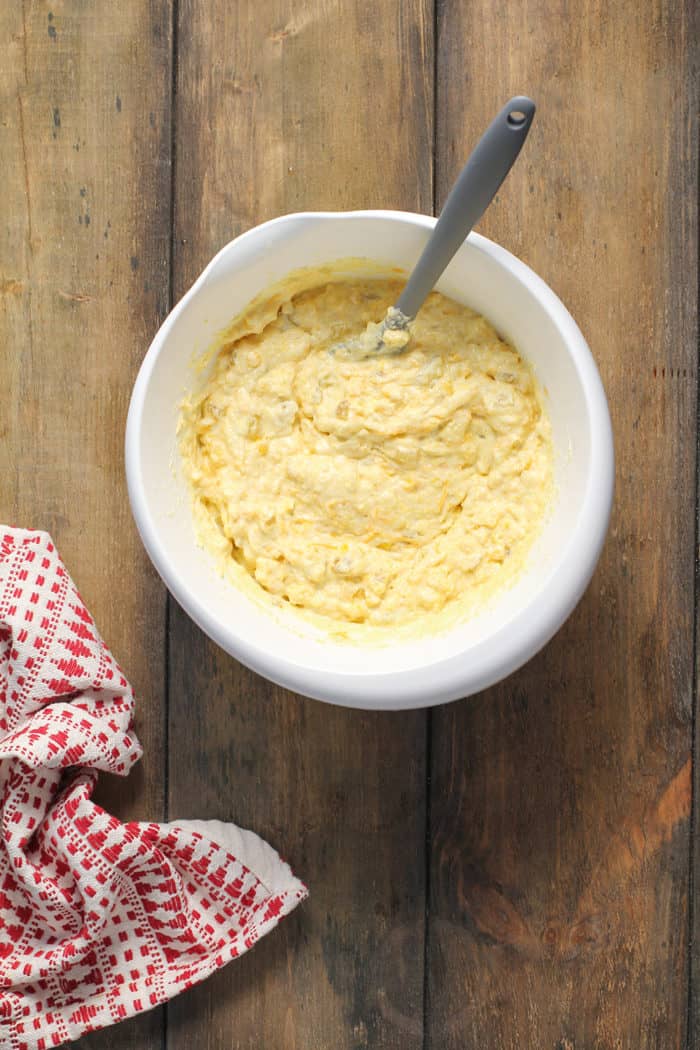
378 491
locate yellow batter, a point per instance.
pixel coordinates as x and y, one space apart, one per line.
380 491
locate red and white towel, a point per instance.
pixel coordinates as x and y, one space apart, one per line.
98 919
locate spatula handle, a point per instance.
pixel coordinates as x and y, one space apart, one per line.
469 198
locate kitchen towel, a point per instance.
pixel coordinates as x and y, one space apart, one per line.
99 919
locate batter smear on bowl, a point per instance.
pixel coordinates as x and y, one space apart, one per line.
385 491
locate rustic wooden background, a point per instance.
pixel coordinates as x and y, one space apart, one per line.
511 871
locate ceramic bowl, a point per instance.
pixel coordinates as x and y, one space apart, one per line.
520 620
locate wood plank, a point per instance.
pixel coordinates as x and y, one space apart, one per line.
274 114
85 137
559 880
692 218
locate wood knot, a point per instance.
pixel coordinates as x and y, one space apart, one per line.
551 936
278 35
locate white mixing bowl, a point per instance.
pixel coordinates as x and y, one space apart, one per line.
421 672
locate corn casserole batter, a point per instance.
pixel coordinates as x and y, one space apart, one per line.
382 491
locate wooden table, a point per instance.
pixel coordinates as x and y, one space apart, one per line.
510 871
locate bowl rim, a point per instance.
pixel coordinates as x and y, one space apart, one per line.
466 671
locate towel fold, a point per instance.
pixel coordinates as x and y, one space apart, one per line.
99 919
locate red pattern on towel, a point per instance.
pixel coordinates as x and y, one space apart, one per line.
98 919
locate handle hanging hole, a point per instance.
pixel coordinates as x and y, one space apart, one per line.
517 118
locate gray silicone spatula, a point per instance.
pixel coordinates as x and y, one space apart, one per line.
477 185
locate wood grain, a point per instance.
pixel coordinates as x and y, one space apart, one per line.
276 111
691 219
83 284
560 800
559 852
